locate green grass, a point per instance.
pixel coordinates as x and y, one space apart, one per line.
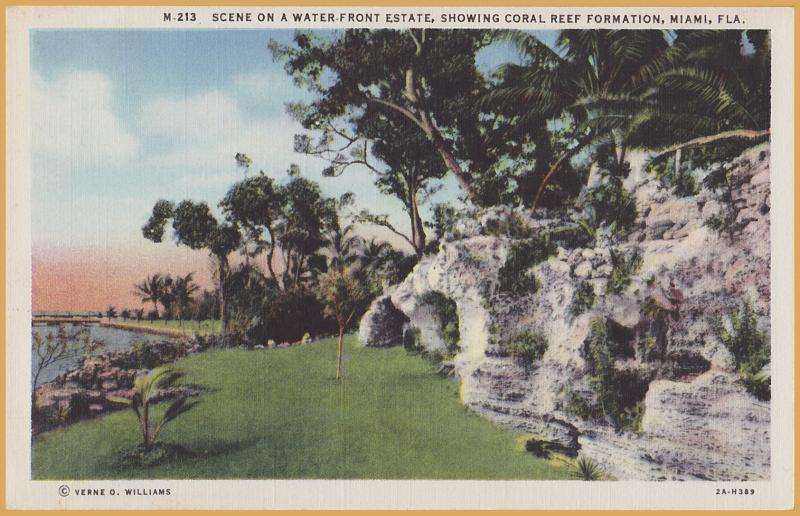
281 414
211 326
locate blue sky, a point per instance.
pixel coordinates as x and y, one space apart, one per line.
123 118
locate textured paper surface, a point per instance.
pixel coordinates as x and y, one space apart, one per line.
23 81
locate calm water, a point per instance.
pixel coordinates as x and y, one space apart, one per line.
113 340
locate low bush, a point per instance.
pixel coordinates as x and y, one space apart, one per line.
624 268
750 348
583 299
527 347
514 276
613 205
582 407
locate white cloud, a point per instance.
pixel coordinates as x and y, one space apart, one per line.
206 130
74 123
265 88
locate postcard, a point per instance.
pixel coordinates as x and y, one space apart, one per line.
344 257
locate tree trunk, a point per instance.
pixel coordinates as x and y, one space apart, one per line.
270 256
417 227
223 273
748 134
146 426
553 169
339 347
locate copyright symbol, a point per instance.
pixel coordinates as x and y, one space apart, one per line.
63 490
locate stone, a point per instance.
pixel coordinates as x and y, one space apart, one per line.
385 325
258 346
583 270
699 421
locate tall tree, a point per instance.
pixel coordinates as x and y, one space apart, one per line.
196 227
402 160
427 77
289 221
256 205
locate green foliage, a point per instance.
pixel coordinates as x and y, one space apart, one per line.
345 294
631 418
611 204
582 407
723 181
617 394
750 348
587 469
445 311
514 277
527 347
513 226
518 227
444 217
147 388
602 380
583 298
624 268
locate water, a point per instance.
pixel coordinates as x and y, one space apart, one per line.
113 339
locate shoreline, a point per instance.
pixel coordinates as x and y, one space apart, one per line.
165 332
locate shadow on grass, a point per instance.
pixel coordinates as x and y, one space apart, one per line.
136 457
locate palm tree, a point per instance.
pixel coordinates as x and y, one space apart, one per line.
707 87
592 82
342 243
167 297
181 292
151 290
374 255
145 389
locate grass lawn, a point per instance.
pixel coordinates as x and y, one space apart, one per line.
206 327
280 414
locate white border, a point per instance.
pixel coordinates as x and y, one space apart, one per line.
23 493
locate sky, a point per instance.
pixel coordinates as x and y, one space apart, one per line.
123 118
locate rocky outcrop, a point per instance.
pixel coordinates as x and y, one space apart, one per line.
84 391
699 422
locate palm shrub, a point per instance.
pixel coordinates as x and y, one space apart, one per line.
624 267
146 390
513 277
527 347
583 298
587 469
